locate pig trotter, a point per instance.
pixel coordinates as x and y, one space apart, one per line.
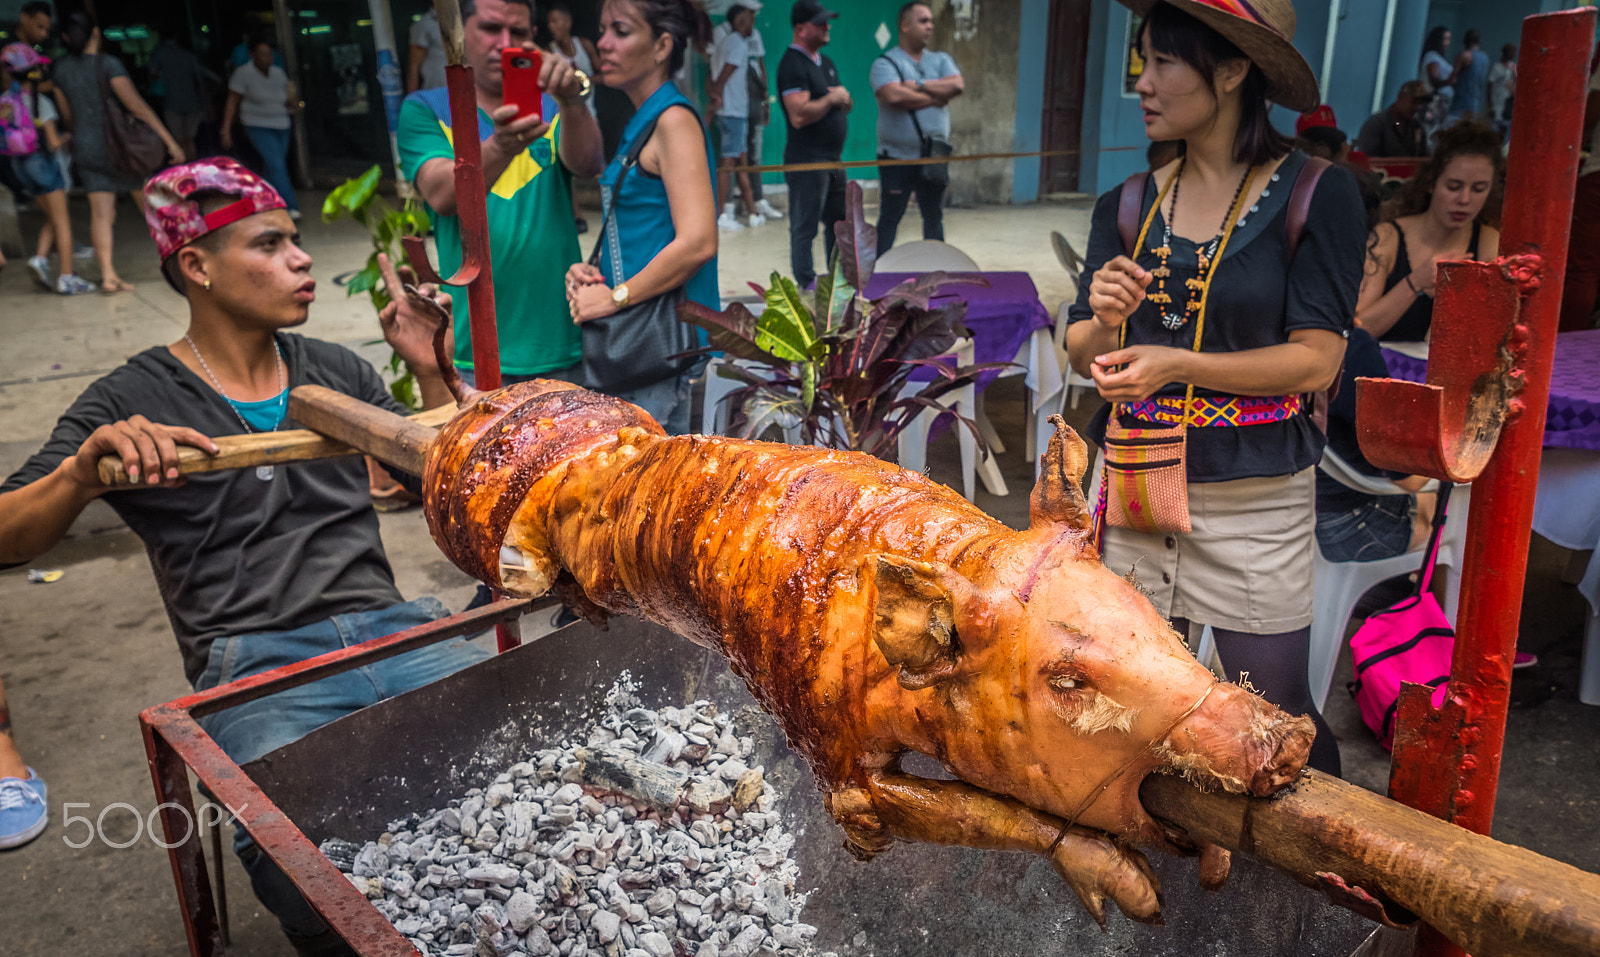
1215 863
865 834
905 807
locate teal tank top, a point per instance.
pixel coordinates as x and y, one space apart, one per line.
641 225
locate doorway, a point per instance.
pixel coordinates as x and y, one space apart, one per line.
1065 67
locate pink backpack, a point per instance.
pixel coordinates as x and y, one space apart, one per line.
18 137
1410 642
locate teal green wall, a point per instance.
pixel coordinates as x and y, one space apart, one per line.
852 48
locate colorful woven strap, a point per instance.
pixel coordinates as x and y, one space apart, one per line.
1215 411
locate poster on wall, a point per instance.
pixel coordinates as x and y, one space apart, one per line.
1132 62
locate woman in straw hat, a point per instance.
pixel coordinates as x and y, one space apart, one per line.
1204 323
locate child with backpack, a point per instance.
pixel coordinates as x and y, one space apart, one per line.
28 138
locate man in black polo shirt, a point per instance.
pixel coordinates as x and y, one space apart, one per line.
814 104
1395 130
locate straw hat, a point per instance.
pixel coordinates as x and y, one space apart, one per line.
1264 30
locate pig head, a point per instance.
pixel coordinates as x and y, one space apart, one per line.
1026 667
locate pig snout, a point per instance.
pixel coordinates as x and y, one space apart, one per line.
1241 742
1294 736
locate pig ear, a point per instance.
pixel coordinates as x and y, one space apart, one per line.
915 617
1058 495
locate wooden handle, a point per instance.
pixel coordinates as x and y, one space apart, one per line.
261 448
389 438
1492 899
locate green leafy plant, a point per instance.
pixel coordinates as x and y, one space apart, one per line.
359 200
834 364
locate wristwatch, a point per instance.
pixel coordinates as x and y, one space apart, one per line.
619 296
584 83
921 86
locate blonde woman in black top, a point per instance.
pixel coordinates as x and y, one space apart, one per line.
1216 255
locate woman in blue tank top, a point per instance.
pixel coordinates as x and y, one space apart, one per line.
661 231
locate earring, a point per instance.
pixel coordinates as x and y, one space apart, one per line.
207 285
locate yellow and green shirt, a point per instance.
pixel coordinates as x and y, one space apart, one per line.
532 238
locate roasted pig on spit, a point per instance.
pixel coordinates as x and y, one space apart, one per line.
874 613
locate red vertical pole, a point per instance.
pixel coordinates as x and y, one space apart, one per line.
471 207
1449 763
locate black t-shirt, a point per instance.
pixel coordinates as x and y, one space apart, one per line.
1258 296
824 139
1362 357
233 554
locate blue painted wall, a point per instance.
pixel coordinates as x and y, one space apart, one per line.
1113 136
1031 55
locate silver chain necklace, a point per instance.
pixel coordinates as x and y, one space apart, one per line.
263 472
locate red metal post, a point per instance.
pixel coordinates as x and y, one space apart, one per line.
1447 762
184 847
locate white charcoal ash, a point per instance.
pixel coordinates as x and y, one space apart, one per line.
649 833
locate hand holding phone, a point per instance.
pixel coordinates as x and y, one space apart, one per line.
520 69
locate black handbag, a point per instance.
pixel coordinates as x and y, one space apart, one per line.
936 173
644 342
135 148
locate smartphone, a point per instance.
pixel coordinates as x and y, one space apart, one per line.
520 69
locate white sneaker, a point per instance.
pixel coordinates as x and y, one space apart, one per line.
767 209
39 269
729 222
756 219
69 284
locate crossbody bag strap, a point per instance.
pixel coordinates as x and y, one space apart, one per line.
901 74
628 162
1128 204
1305 186
1431 553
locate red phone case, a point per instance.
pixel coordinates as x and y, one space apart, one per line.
521 81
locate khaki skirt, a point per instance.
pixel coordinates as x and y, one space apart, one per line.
1245 566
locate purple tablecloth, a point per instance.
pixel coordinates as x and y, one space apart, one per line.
1573 419
1001 315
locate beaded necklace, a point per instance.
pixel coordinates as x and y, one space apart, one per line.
1206 254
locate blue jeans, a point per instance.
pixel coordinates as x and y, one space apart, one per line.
256 727
1379 529
273 145
814 197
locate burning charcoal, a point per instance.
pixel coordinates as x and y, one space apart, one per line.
732 770
657 785
655 944
371 861
499 793
747 789
472 896
567 794
606 925
495 874
708 796
340 853
667 746
661 902
537 943
745 942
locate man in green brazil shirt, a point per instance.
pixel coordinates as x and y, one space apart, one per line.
529 164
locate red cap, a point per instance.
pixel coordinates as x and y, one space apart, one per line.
1321 116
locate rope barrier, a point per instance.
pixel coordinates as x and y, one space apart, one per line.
921 161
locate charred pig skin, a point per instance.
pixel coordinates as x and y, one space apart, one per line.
874 613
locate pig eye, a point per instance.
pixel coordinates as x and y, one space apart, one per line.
1067 683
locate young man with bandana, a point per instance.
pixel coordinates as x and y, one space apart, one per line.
258 568
528 166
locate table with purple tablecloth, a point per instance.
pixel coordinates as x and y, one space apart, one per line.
1573 418
1002 315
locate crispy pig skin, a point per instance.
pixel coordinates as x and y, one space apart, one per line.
873 612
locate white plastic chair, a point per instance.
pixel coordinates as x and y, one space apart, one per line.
1340 585
925 255
914 438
